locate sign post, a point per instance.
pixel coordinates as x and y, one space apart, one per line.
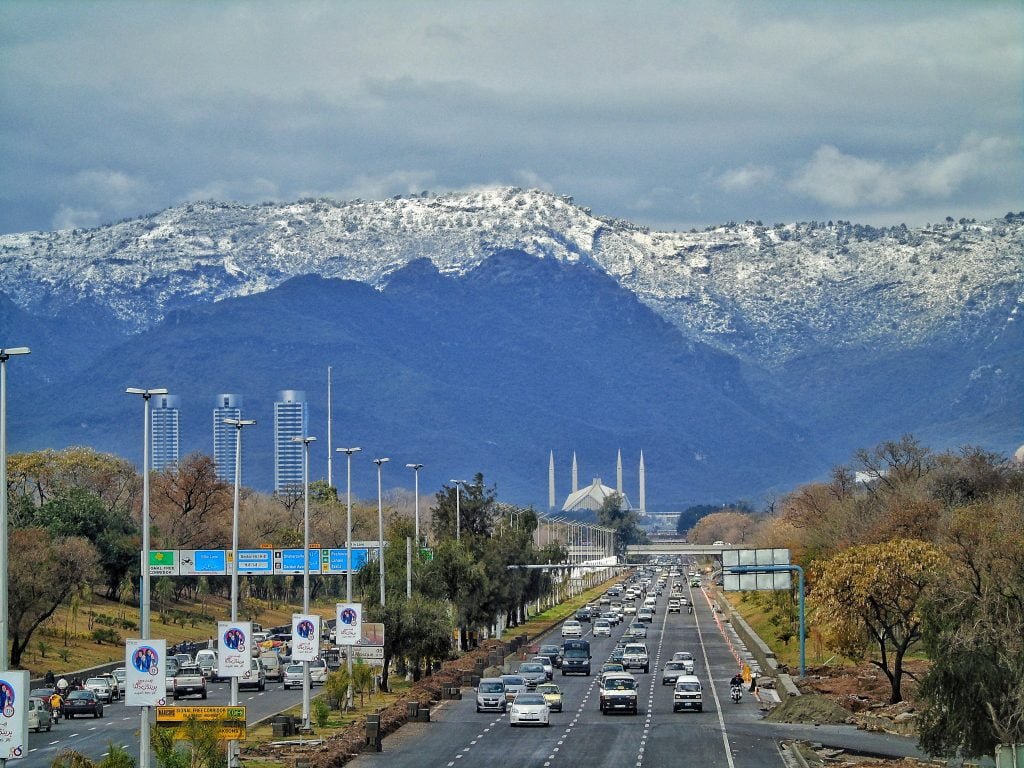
230 720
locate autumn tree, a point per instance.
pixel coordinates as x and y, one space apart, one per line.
869 599
734 527
191 507
43 571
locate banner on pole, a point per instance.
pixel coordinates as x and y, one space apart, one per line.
234 649
349 626
145 673
14 713
305 636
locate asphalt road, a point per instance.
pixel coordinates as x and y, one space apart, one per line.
120 724
724 735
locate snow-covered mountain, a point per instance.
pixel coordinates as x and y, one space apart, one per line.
766 293
483 329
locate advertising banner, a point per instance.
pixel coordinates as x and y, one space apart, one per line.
145 673
372 633
349 627
305 637
14 714
234 648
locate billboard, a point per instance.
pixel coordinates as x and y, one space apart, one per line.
349 626
755 570
14 714
305 636
234 648
145 673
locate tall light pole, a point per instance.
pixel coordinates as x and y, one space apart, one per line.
416 469
238 424
348 560
458 507
144 593
5 355
380 528
305 565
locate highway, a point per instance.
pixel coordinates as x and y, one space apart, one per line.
724 735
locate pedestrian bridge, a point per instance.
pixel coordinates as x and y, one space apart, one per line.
677 548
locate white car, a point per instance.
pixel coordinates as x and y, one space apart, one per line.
686 658
101 687
529 709
602 627
572 628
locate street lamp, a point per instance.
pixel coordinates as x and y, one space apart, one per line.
380 527
238 424
144 594
348 560
305 566
416 469
5 355
458 508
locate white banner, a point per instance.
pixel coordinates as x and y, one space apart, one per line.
305 637
145 673
349 627
234 648
14 713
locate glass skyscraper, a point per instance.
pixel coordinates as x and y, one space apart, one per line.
166 432
227 407
291 419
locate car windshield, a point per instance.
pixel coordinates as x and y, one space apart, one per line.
529 667
550 649
683 686
96 681
295 669
548 689
620 684
80 695
677 665
601 623
529 698
491 687
682 656
635 649
513 680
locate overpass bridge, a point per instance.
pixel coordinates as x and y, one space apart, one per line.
677 548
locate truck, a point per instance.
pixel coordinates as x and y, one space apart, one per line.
188 681
635 655
576 657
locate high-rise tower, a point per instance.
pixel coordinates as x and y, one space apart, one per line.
551 481
166 430
643 486
227 407
291 419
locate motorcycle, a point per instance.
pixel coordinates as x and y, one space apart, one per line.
736 692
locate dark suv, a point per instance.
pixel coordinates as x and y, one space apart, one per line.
583 614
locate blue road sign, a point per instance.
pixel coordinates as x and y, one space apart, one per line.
337 560
290 561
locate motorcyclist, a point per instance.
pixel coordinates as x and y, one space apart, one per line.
737 679
56 705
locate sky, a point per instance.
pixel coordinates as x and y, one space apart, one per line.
670 114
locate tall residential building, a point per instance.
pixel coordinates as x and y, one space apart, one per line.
291 419
166 431
224 438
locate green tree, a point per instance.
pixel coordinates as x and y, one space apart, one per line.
974 633
472 505
870 597
625 523
78 511
202 747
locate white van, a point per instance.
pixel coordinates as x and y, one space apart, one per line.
39 718
207 661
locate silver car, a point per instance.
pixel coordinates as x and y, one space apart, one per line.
101 687
533 673
293 676
514 686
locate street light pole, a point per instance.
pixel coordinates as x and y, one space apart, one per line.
348 560
144 593
416 469
305 566
458 508
5 355
238 424
380 528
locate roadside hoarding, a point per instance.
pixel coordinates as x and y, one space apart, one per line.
349 625
145 673
230 720
14 714
234 648
305 636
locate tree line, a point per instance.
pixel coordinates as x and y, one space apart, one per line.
910 551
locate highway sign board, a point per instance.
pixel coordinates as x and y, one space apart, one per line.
230 720
749 561
163 562
368 652
254 561
291 561
202 562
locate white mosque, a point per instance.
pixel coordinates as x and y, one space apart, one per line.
592 497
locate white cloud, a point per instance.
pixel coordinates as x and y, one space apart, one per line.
745 178
241 190
843 180
74 218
